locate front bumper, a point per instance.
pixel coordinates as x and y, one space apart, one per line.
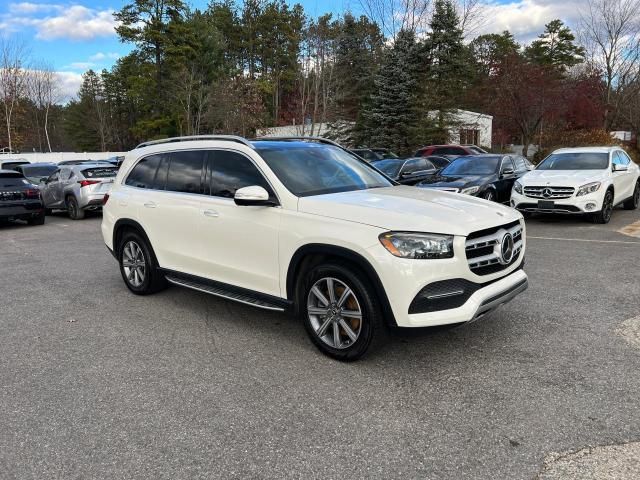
404 280
573 205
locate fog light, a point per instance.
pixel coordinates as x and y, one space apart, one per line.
590 206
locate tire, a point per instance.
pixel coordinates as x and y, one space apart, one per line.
147 278
48 211
39 220
75 212
328 313
604 215
489 195
632 203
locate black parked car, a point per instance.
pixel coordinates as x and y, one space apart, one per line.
37 172
441 161
407 171
372 154
19 199
487 176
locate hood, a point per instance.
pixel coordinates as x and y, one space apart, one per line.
405 208
452 181
561 178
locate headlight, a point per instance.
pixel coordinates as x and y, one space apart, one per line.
588 188
517 187
470 190
418 245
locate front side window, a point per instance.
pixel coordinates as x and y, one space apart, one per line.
143 174
473 166
185 171
228 171
317 169
506 164
390 168
575 161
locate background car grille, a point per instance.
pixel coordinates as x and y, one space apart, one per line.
552 192
482 246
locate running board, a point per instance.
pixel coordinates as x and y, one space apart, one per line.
229 292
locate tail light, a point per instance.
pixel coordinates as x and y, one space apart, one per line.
32 193
105 199
86 183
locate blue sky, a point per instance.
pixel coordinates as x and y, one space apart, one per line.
77 35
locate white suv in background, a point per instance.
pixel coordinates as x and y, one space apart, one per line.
591 180
304 225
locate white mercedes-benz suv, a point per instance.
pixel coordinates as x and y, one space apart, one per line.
590 180
305 226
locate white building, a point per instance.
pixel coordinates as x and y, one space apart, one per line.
469 128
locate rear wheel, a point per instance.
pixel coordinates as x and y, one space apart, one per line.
75 212
341 313
604 215
632 203
138 265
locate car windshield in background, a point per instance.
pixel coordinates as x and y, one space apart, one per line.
389 167
575 161
313 169
38 171
472 166
100 172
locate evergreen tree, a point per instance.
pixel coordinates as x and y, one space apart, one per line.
555 47
449 67
393 117
490 51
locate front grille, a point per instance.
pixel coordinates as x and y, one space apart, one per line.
549 192
483 248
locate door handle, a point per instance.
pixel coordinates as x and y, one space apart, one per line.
150 205
210 213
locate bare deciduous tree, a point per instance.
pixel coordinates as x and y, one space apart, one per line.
610 33
396 15
44 93
13 80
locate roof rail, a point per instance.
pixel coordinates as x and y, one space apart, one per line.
310 139
229 138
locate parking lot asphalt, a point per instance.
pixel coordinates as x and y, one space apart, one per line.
99 383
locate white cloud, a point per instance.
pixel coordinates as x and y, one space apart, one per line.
80 66
526 18
54 21
98 57
68 84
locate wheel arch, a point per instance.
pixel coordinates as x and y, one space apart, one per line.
124 224
304 258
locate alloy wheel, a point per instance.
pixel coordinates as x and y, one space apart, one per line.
133 263
334 313
488 196
607 206
636 195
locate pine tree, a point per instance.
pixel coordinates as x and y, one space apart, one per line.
555 47
448 74
392 118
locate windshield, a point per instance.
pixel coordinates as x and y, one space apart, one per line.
472 166
315 169
389 167
38 172
575 161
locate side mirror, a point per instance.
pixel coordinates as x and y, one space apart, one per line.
619 168
253 196
508 171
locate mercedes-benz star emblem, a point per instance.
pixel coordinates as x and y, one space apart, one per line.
546 193
506 249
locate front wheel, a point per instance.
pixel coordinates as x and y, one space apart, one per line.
341 312
632 203
489 195
604 215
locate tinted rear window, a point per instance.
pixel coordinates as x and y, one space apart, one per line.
100 172
185 171
8 181
143 173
